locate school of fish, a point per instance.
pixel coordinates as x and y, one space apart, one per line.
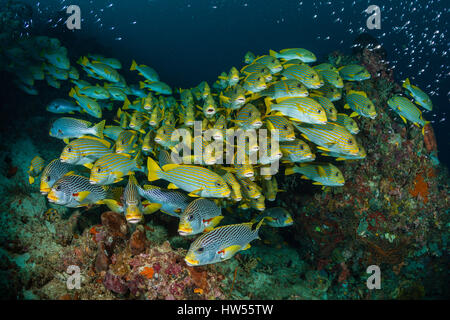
312 109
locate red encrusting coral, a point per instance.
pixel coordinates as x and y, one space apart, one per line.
420 188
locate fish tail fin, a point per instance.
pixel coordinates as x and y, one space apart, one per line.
72 92
406 83
133 65
98 129
84 61
273 53
259 226
141 85
289 171
153 169
126 104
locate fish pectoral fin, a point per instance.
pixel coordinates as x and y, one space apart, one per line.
81 195
211 223
247 246
228 252
354 114
346 106
317 183
149 207
172 186
113 205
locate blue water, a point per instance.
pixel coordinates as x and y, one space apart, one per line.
191 41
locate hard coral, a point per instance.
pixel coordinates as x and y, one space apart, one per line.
429 138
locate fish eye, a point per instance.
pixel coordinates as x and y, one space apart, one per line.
285 127
248 188
200 250
69 149
58 188
299 85
99 170
190 217
302 147
311 76
218 184
350 141
48 179
319 111
337 174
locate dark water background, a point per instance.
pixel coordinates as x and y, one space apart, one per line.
188 41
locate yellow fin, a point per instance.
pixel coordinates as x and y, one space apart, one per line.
354 114
247 246
66 140
82 195
133 65
346 106
273 53
172 186
406 83
403 118
153 169
230 251
195 193
289 171
150 208
214 221
88 165
170 166
30 179
321 171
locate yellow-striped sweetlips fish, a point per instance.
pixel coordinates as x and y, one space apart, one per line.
157 86
127 142
95 92
229 178
75 191
53 172
248 117
276 217
407 110
258 68
270 62
102 70
199 216
348 122
173 202
196 180
85 150
233 98
132 205
285 128
325 174
331 77
360 104
328 106
329 137
89 105
302 109
111 168
249 188
222 243
342 156
112 62
289 88
36 166
303 73
296 151
354 72
420 97
254 82
294 53
68 128
147 72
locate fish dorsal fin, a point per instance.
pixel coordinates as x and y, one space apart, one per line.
103 141
362 93
170 166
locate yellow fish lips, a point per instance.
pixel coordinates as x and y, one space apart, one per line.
133 215
52 197
44 188
190 261
184 229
